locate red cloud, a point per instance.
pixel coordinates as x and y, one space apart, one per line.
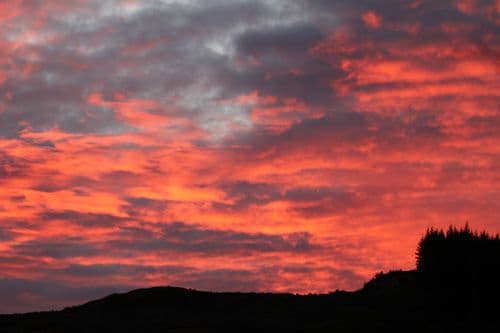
372 19
332 153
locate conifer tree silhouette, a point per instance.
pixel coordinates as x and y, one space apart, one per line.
459 264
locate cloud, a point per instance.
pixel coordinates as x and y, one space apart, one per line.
11 166
57 249
5 234
271 145
84 219
26 296
281 40
178 237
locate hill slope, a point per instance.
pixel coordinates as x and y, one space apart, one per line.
455 288
393 301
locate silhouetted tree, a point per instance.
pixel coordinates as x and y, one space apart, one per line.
460 264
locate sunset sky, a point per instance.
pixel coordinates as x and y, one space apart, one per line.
261 145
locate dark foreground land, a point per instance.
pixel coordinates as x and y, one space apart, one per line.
392 302
455 288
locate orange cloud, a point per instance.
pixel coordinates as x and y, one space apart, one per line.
136 112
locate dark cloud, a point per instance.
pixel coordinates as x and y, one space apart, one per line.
185 238
284 67
345 133
284 41
83 219
11 166
70 247
5 234
305 194
325 199
110 271
49 186
246 193
339 128
483 126
17 198
113 56
137 206
21 295
176 237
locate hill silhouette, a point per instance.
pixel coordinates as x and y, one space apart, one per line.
452 289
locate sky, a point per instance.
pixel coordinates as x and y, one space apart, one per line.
266 145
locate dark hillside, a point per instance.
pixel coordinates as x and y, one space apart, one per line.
397 301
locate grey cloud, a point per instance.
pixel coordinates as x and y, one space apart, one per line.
185 238
83 219
58 249
316 194
112 270
106 181
19 295
344 132
5 234
137 205
282 40
17 198
11 166
175 237
191 48
191 59
330 132
285 67
247 193
484 126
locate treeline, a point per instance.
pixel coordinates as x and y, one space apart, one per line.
460 264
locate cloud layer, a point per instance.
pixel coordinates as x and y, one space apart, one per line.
264 145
